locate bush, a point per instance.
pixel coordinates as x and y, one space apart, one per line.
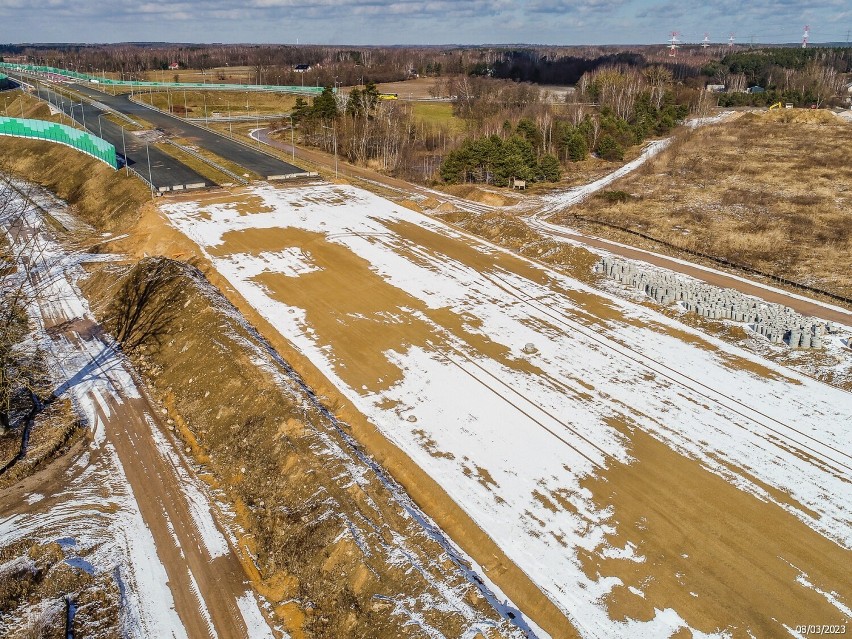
549 169
576 147
609 149
615 196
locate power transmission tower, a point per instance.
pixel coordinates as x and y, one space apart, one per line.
806 37
731 41
673 44
706 41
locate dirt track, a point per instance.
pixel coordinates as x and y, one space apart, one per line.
131 424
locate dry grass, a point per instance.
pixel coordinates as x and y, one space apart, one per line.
34 587
20 104
202 168
107 199
54 431
773 192
213 104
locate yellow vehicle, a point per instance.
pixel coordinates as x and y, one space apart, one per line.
388 96
777 105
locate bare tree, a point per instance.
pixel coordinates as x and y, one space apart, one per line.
21 253
147 304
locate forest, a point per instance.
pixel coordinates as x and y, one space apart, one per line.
504 123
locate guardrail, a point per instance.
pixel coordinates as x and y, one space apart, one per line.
721 260
31 68
61 134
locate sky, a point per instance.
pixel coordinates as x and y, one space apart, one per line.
382 22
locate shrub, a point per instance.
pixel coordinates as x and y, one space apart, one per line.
609 149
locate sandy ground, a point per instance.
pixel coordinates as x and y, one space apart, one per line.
647 479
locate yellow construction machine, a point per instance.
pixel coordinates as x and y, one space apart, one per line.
777 105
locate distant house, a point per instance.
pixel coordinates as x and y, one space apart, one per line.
302 68
756 89
174 66
716 88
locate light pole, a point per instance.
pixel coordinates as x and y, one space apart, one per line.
150 179
257 123
124 145
292 137
100 127
333 129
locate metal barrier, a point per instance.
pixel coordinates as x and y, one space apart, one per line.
31 68
61 134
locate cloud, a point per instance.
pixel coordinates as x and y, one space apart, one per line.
417 21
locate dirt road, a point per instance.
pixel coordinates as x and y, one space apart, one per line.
208 586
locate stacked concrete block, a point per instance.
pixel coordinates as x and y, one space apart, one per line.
778 324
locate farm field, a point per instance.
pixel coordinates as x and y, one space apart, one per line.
646 478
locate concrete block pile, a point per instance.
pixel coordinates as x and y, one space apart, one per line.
778 324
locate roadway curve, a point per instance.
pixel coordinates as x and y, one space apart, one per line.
250 158
165 171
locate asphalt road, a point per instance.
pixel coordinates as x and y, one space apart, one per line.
252 159
165 171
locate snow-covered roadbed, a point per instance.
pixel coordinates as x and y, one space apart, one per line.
424 330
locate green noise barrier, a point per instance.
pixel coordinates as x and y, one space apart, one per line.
61 134
31 68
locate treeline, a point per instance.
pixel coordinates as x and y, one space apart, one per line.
509 132
369 131
802 77
633 105
498 160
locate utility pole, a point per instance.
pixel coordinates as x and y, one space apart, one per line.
124 145
292 137
150 178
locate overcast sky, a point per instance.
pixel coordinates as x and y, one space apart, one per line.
413 22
